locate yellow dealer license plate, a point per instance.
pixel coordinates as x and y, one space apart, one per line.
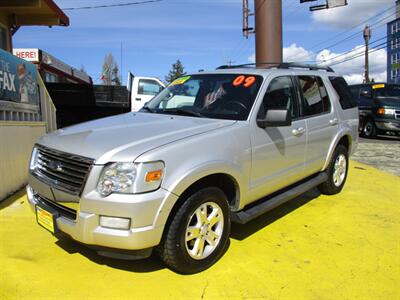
45 218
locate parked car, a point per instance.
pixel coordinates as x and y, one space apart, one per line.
379 105
210 149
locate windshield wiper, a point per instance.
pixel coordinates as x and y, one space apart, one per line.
147 108
184 112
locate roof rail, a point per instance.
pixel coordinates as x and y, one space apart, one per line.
279 65
268 65
304 66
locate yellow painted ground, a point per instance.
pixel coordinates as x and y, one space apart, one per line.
316 247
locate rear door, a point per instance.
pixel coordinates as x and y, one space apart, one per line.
321 121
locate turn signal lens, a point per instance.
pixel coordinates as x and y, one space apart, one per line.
386 111
153 176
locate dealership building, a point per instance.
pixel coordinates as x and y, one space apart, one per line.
26 109
52 69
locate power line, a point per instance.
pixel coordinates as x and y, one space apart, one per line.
352 28
359 55
355 49
112 5
354 35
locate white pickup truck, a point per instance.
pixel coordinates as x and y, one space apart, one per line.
142 90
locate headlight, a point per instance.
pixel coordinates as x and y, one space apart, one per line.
34 157
386 111
130 178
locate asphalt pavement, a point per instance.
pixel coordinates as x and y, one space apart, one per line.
383 153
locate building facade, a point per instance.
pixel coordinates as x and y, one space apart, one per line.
393 48
51 68
393 51
26 109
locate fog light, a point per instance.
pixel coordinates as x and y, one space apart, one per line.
115 222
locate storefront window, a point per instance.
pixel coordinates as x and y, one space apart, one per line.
50 77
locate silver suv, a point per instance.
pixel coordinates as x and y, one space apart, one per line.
211 149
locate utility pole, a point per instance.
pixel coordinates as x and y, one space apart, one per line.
367 36
268 25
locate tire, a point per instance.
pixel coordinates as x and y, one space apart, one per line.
369 129
180 248
337 172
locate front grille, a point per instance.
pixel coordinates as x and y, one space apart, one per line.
397 114
63 171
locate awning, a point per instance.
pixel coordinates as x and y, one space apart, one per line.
33 12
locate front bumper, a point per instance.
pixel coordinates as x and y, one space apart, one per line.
388 124
144 210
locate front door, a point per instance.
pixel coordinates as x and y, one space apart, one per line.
278 152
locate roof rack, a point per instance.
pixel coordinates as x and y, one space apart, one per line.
268 65
304 66
285 65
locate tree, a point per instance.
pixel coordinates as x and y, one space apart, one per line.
109 75
115 77
176 72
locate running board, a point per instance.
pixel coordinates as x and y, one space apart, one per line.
246 215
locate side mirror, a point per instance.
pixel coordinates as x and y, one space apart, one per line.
275 118
366 94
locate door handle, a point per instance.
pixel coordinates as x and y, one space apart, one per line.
298 131
138 99
333 121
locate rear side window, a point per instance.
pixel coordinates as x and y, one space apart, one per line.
315 97
324 95
346 98
354 90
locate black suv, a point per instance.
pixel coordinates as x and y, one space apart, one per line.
379 106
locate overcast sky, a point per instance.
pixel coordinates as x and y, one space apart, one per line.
203 34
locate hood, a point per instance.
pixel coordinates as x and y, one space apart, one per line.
393 102
125 137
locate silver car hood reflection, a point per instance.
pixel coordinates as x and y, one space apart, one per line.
125 137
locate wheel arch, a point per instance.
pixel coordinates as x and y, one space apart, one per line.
226 182
345 139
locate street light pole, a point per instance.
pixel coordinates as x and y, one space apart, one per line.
268 25
367 36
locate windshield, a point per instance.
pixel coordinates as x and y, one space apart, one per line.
388 91
221 96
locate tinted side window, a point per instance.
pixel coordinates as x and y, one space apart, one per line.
148 87
324 95
354 90
346 98
366 100
280 95
312 101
